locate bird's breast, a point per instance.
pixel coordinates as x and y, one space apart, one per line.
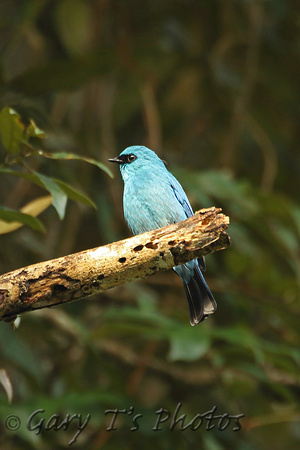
150 204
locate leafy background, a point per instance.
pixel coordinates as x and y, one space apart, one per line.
213 87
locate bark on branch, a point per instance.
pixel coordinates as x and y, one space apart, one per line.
79 275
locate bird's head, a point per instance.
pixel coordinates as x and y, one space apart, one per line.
134 159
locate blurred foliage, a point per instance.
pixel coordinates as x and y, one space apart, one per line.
213 87
15 138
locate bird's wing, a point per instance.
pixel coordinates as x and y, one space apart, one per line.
184 201
181 197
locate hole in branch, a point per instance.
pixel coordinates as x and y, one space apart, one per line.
151 245
138 248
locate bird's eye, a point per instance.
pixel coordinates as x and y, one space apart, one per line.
131 157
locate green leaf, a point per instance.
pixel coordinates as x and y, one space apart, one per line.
10 215
240 336
187 344
65 156
34 131
73 194
59 197
26 176
33 208
11 131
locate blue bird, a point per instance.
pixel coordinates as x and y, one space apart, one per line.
153 198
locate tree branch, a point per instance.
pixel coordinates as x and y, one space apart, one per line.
79 275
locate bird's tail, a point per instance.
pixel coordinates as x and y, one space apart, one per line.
200 299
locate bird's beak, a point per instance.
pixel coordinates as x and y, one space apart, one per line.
116 160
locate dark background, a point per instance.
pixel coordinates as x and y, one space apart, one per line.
213 87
